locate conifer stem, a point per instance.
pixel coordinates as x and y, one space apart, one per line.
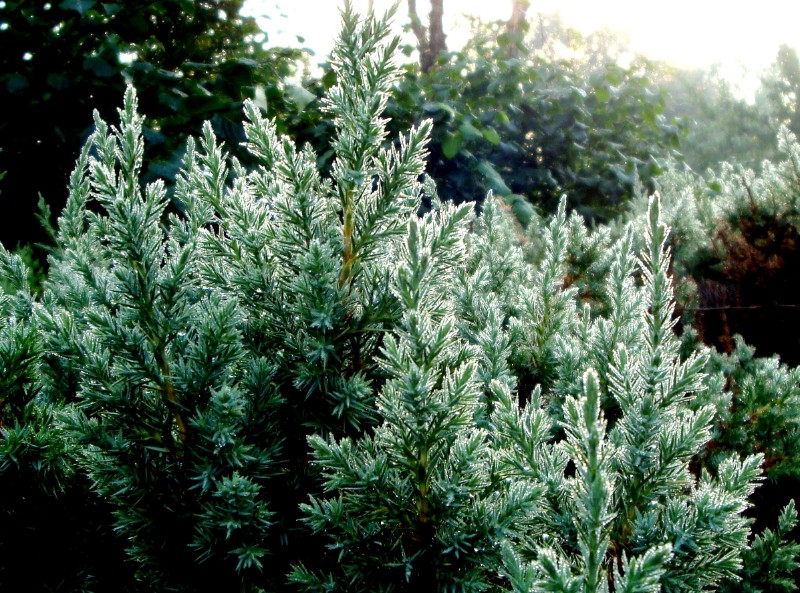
169 391
347 232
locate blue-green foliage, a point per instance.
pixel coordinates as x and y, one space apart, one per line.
769 562
632 492
169 406
293 380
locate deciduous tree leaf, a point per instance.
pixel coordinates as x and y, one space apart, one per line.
452 144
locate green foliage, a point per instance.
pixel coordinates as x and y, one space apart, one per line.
530 127
49 517
736 245
720 125
770 561
134 332
296 381
779 89
763 413
735 261
190 61
418 501
20 343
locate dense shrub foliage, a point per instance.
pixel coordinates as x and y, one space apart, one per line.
529 127
190 62
295 382
737 249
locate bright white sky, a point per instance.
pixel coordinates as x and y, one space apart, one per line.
737 34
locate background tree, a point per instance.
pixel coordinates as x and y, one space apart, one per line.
191 61
780 89
720 125
516 25
531 127
431 39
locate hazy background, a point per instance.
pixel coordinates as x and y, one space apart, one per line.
740 37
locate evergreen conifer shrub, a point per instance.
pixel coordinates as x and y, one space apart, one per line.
293 382
737 240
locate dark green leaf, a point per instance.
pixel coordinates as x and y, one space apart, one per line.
79 6
451 144
491 135
99 67
436 107
602 94
493 179
300 96
469 131
111 8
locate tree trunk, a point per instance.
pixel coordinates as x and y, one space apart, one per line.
430 40
436 30
515 27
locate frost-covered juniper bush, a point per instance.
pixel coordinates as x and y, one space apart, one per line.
293 382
